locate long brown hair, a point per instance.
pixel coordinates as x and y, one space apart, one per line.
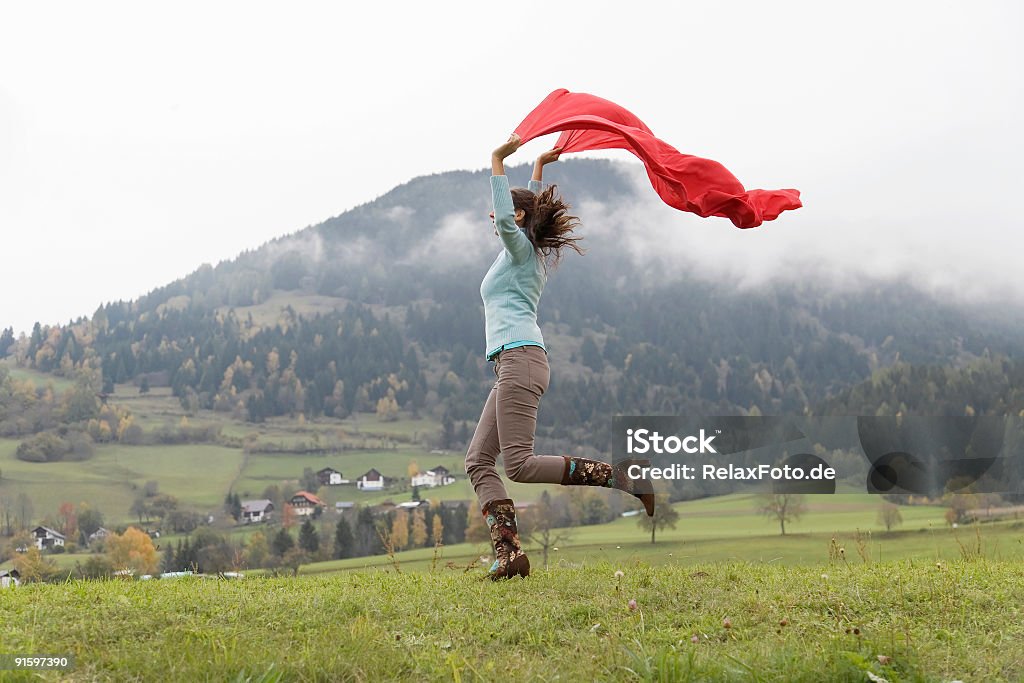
547 224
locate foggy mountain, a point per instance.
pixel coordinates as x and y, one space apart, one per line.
385 297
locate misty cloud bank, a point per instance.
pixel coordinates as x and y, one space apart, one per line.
961 255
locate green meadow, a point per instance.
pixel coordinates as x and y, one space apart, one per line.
731 621
198 474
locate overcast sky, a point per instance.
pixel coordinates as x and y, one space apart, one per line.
138 142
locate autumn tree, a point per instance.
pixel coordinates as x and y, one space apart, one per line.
288 516
436 529
889 516
419 529
68 520
783 507
387 407
34 566
961 506
133 550
400 529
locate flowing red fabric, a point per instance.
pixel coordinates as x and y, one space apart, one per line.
683 181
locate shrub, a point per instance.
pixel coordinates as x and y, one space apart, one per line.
44 447
51 447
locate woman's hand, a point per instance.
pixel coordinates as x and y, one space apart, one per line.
549 156
510 146
545 158
498 156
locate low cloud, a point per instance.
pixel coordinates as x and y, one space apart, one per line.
307 244
461 239
960 253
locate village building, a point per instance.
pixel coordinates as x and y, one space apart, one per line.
304 503
9 577
46 537
371 481
329 476
439 476
254 511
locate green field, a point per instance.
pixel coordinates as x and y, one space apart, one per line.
727 529
900 621
198 474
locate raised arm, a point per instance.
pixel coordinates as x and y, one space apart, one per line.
516 242
538 167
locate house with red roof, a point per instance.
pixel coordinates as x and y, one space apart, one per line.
305 503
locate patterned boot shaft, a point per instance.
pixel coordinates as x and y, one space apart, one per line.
511 560
585 472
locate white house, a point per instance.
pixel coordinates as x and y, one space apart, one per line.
9 577
329 476
439 476
371 481
256 510
47 538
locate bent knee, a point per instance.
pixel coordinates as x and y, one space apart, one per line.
521 471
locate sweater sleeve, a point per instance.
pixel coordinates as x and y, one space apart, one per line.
515 240
534 186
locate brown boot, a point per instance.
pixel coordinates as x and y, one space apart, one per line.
511 560
584 472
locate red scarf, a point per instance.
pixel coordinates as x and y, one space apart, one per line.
683 181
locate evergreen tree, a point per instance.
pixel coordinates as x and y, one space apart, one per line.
454 521
6 340
367 540
186 557
170 559
236 507
283 542
343 541
309 540
447 431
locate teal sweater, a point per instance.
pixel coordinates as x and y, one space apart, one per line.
512 287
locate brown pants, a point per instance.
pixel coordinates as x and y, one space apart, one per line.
507 426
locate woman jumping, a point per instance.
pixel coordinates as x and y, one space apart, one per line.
534 226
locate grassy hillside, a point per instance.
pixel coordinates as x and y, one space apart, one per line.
724 622
198 474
